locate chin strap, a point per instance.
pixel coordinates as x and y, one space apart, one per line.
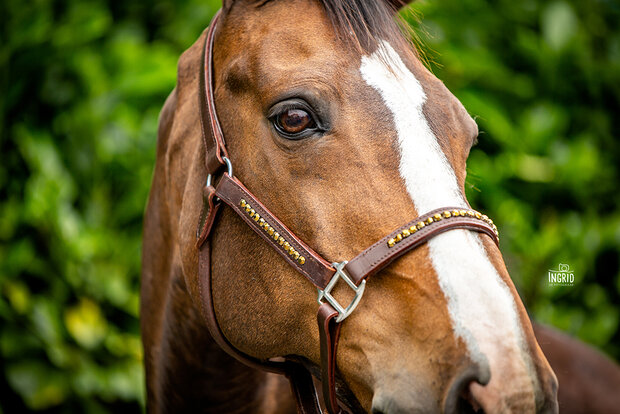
318 271
329 332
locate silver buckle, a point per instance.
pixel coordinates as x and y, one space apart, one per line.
228 166
326 293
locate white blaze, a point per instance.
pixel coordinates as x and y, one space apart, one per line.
480 304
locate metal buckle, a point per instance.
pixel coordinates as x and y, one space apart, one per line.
228 166
204 213
326 293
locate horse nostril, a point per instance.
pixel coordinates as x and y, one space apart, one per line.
459 398
467 404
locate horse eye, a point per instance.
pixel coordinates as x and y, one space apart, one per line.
294 121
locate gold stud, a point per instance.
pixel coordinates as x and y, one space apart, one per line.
437 217
484 217
287 246
242 203
301 260
429 220
478 215
248 208
292 251
447 214
471 213
406 233
261 222
296 255
281 240
399 237
463 213
413 229
391 242
276 235
271 230
456 213
252 212
420 225
256 217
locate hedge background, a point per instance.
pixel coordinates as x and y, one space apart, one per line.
81 85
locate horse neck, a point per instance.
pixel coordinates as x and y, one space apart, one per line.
197 375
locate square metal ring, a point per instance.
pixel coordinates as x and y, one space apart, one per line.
343 312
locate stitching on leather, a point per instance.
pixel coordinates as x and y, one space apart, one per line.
266 237
200 285
300 245
406 226
414 221
422 234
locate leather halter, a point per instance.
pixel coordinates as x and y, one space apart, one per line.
320 272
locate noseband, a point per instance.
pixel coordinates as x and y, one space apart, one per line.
323 274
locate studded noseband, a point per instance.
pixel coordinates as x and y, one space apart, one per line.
323 274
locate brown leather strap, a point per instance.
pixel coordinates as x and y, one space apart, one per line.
303 389
208 313
213 139
299 377
413 234
329 332
210 207
305 260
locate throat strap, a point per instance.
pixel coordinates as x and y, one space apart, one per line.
329 332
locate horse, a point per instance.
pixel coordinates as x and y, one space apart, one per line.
329 118
589 381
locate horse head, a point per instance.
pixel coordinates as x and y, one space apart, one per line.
334 123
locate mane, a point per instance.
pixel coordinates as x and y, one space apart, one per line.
363 24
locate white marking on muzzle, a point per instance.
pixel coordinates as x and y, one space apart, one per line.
480 304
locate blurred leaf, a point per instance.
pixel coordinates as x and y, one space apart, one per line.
39 387
559 24
86 323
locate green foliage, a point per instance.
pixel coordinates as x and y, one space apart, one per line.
82 84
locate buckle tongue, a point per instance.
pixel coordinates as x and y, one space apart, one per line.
326 293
